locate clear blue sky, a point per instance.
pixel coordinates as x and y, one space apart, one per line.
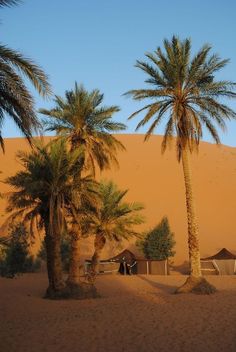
96 42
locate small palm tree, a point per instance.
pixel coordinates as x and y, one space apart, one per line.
115 219
86 124
45 195
186 94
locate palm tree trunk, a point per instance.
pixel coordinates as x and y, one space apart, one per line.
77 289
195 282
74 274
99 243
54 265
193 241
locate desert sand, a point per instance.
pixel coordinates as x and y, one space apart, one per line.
156 180
137 313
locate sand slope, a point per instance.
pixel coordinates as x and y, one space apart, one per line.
136 313
157 181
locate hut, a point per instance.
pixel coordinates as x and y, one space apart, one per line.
221 263
126 263
152 267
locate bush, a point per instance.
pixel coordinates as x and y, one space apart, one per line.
16 258
158 243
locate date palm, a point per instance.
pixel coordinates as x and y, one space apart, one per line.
185 92
115 219
16 101
46 194
86 124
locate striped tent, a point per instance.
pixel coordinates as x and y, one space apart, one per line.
221 263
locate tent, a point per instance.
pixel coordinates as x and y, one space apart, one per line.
127 263
222 263
114 264
152 267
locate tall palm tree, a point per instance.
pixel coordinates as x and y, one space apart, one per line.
115 219
45 194
16 101
86 124
186 93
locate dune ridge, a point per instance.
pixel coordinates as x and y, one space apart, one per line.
156 180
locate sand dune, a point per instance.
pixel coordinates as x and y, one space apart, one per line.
157 181
136 313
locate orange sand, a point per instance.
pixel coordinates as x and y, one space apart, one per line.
136 313
157 181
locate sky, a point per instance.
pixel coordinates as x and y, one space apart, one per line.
97 42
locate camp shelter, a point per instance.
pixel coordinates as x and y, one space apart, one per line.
152 267
125 256
139 266
105 267
222 263
113 264
127 263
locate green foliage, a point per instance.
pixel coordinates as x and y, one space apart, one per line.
184 92
116 219
159 242
16 100
16 258
49 184
86 124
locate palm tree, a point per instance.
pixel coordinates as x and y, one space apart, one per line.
186 93
45 194
115 219
85 124
80 214
9 2
16 101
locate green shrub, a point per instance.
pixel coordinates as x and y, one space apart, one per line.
158 243
16 258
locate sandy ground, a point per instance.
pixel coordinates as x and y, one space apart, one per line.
137 313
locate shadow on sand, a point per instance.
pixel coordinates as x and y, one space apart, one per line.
164 287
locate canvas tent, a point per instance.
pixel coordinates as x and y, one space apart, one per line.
152 267
222 263
127 263
124 262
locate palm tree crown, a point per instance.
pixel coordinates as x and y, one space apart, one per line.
48 185
116 218
86 124
185 92
15 99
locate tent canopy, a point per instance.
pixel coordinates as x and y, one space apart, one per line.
124 256
221 255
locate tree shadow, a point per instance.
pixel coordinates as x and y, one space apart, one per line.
163 287
183 268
